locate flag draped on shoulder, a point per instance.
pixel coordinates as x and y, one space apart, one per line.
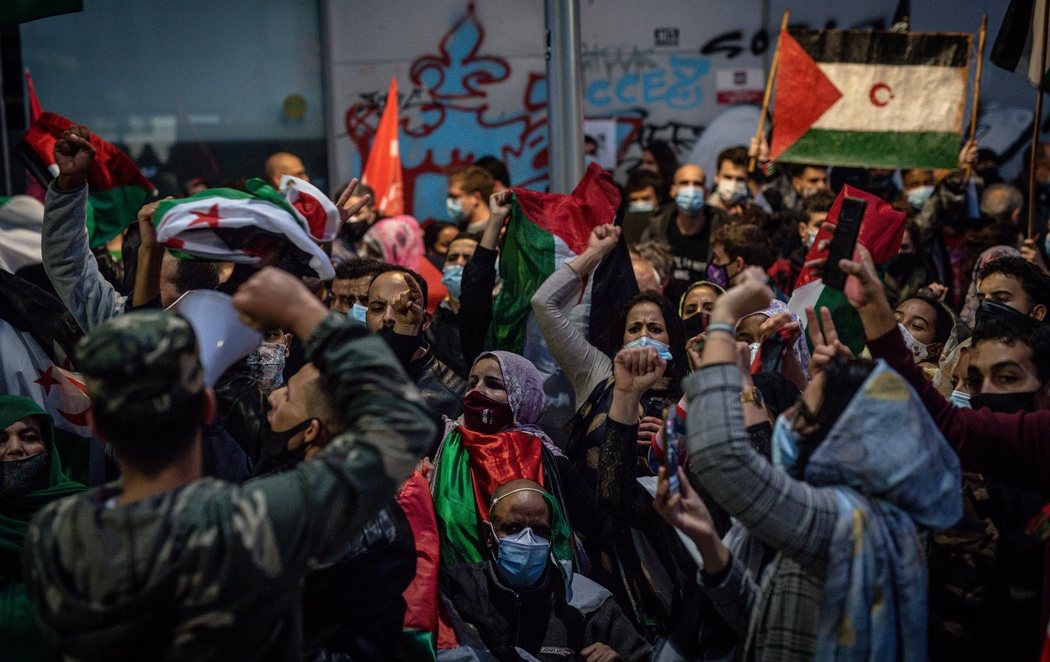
545 231
1019 46
116 188
881 231
872 99
250 227
383 170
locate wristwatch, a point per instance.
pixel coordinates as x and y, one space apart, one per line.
752 395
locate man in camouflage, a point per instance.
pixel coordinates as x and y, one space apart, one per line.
164 565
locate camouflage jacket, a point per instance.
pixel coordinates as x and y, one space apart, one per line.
213 571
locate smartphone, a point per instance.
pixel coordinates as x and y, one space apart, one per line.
844 241
671 458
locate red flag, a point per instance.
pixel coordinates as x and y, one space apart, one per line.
383 169
34 102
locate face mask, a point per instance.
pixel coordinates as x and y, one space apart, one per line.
521 558
1005 403
662 350
732 191
960 399
718 274
266 365
811 236
454 208
354 231
452 278
485 415
785 444
641 206
357 312
690 200
918 349
918 196
753 348
991 308
902 264
696 324
19 477
275 444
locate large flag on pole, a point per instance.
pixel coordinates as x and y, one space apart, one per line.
871 99
383 169
881 231
1019 45
116 188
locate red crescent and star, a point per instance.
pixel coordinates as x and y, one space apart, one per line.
880 94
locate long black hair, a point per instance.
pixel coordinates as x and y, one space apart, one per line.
843 378
613 338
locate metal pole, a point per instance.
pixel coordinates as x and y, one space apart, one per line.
3 139
564 95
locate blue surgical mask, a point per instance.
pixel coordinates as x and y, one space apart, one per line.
960 399
689 199
662 350
454 208
1046 244
452 278
357 312
521 558
785 444
918 196
641 206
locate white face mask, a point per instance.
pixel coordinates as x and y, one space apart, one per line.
811 236
918 350
732 191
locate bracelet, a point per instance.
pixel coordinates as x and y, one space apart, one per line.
722 326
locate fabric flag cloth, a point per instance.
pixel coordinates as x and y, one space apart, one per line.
383 170
545 231
419 632
1019 46
870 99
37 336
116 188
881 231
21 224
252 227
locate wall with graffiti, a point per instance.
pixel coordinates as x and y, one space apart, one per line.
472 78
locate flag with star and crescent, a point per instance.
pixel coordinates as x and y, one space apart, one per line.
37 336
259 225
870 99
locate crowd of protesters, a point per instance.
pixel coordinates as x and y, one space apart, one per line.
377 480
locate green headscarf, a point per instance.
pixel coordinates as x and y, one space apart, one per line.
15 512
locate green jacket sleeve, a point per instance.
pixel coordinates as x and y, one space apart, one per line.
287 520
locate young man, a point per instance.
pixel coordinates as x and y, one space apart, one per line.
1017 283
395 312
786 193
443 333
349 288
736 247
468 198
643 199
814 211
216 568
518 598
731 192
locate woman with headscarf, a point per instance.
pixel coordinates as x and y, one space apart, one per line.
30 478
860 476
399 240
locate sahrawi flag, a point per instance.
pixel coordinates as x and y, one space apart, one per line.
251 227
545 231
871 99
116 188
881 231
383 170
1019 46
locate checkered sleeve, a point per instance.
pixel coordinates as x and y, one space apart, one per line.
791 516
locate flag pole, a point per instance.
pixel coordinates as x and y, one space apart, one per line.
1036 122
769 87
977 87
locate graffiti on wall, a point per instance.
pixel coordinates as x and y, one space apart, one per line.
463 102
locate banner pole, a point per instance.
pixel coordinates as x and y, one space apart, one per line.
977 88
769 87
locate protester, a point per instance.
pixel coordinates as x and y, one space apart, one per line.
660 159
735 247
443 333
399 241
31 477
786 270
468 198
498 170
643 199
283 163
730 193
235 599
349 288
348 243
926 325
1017 283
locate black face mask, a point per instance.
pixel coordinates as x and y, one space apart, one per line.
19 477
990 308
902 264
353 231
1005 403
275 444
696 324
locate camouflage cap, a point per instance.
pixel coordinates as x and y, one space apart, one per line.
141 364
